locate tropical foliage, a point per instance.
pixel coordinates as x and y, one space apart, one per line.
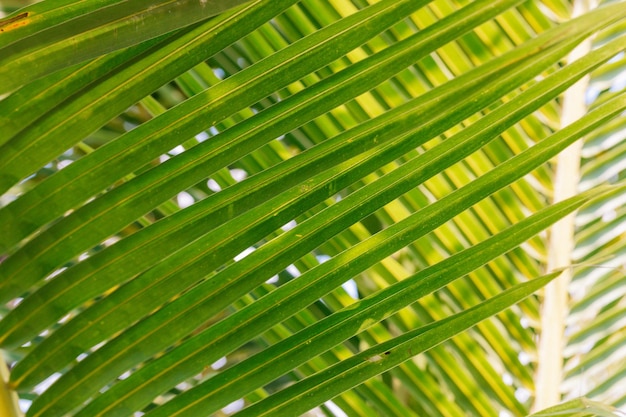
332 207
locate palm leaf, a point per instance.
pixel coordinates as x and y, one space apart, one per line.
235 174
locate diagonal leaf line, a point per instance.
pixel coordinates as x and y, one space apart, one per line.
64 10
138 76
401 348
193 113
54 183
41 15
562 87
345 323
144 69
333 147
47 126
45 91
406 113
132 16
253 217
25 57
310 289
201 250
83 362
59 190
149 282
385 242
240 81
56 39
325 88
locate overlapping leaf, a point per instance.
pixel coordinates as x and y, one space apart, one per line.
396 160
